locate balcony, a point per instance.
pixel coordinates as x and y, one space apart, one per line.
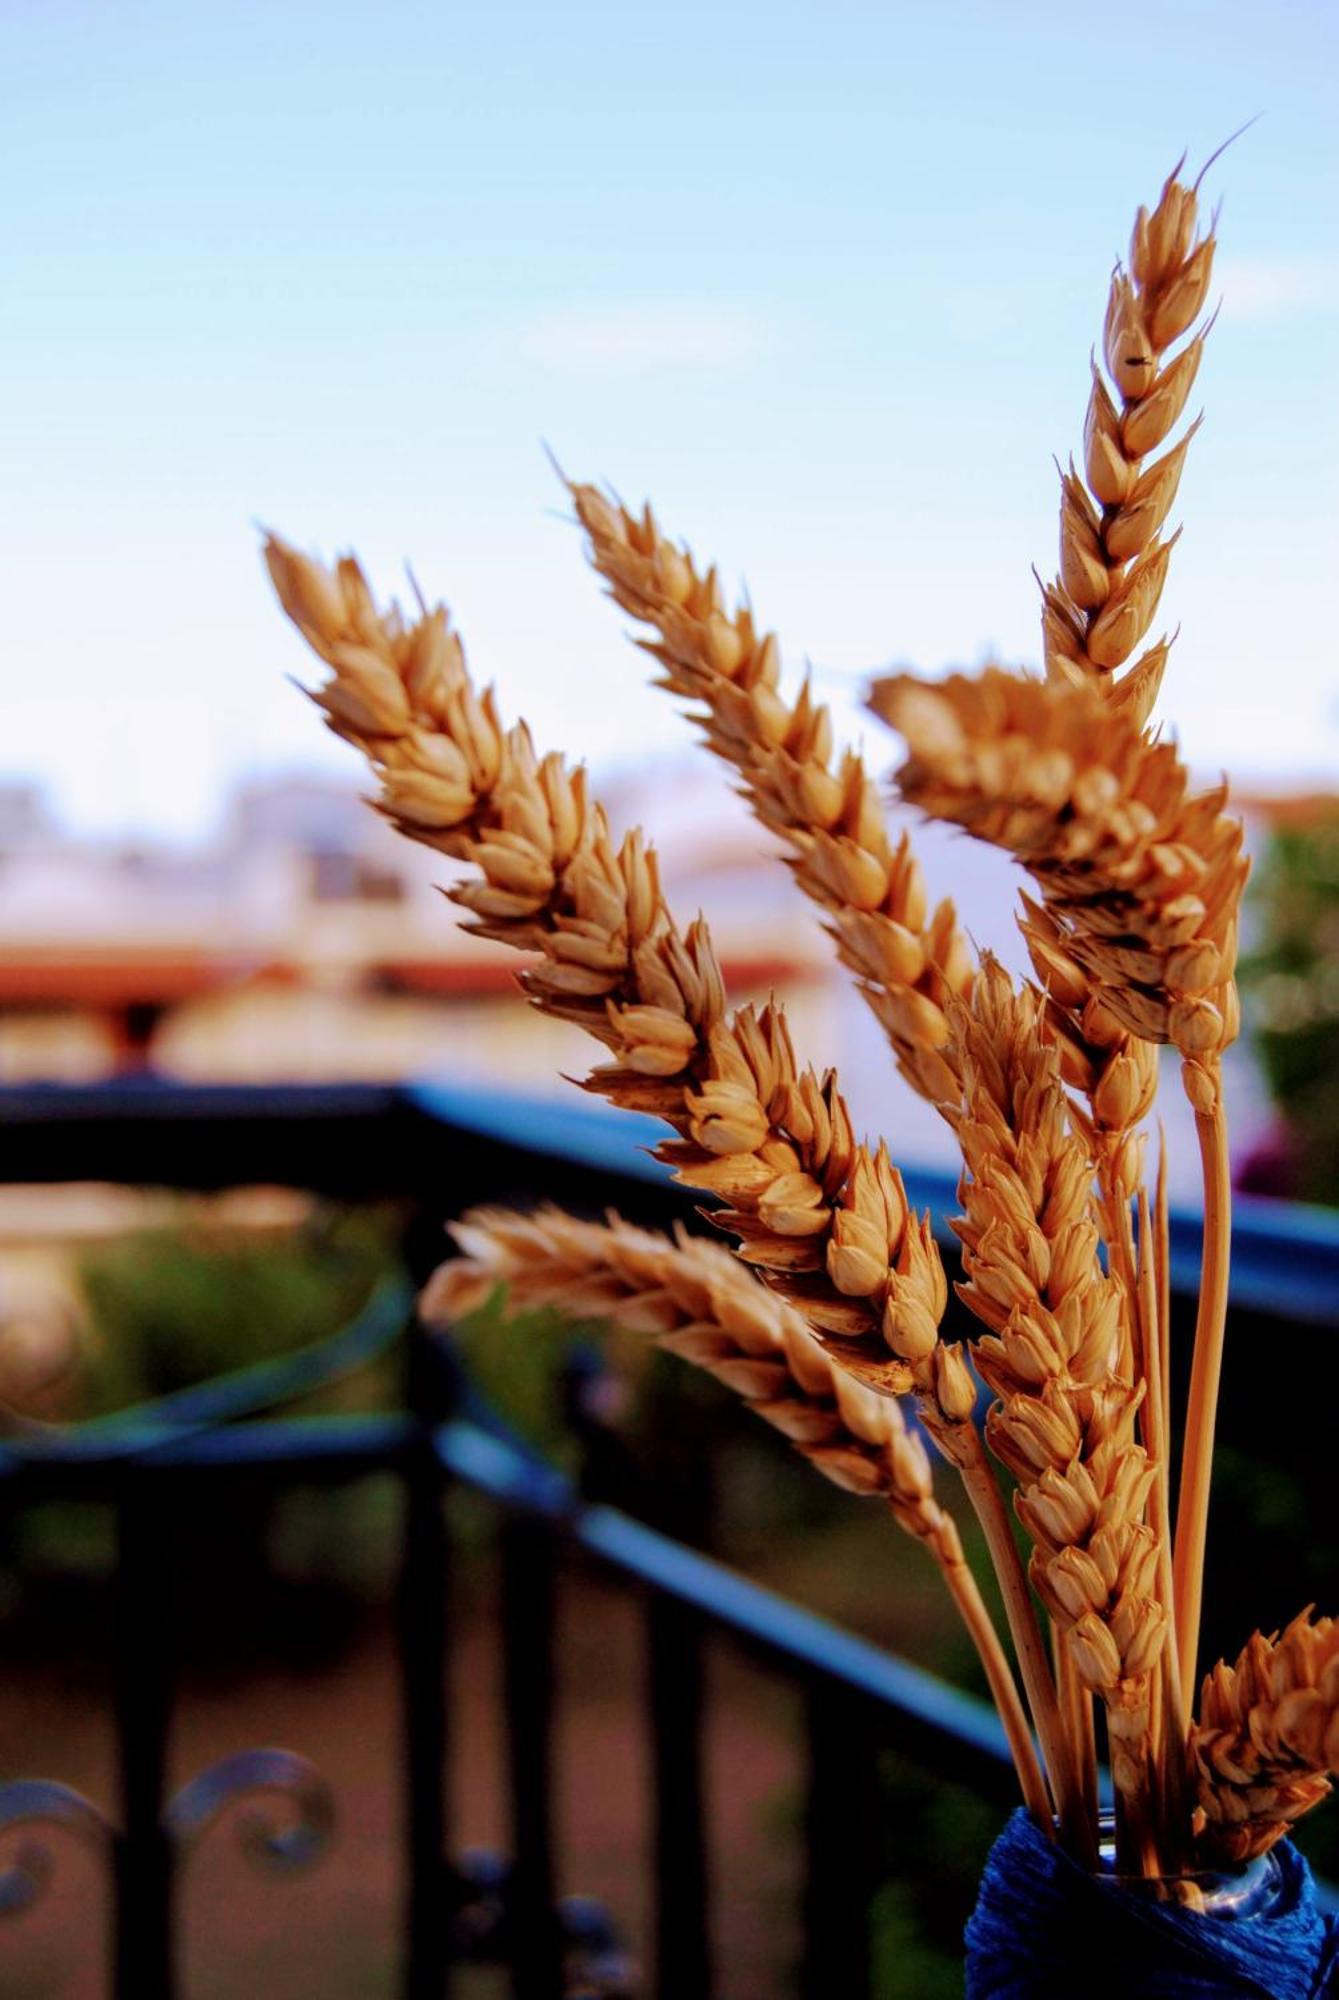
434 1150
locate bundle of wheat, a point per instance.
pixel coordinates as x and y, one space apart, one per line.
830 1306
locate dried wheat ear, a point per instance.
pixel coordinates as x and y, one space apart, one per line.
1113 563
698 1301
1267 1741
908 960
1140 876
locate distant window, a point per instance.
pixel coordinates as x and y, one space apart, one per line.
340 877
379 885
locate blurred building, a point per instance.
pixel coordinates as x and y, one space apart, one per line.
305 939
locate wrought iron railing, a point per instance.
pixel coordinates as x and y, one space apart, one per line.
442 1149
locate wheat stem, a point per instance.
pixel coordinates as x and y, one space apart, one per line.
1162 1225
966 1595
1115 1208
1192 1512
1169 1741
1076 1701
1029 1648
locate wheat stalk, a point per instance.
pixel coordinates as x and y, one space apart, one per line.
1112 568
908 960
1111 573
1068 1387
1267 1740
701 1304
1112 562
1153 1311
1094 614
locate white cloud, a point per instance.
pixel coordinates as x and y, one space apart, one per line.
643 334
1271 288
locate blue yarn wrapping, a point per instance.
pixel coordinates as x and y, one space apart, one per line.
1042 1929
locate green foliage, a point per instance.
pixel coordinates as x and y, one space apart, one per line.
517 1364
1291 985
172 1308
936 1838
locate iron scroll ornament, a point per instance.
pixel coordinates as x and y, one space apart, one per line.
31 1809
287 1824
289 1819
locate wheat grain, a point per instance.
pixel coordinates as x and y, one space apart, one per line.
1112 1070
908 960
1112 564
1266 1743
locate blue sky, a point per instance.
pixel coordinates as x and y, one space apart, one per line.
821 281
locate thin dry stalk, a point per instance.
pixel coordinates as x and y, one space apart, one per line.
1266 1744
1173 1711
1076 1702
1144 881
1163 1248
701 1304
1112 562
1192 1510
1112 568
907 959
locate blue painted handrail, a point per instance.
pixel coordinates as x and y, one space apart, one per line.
1285 1255
141 1130
953 1723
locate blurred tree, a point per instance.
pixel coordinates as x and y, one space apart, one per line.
1290 982
175 1307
